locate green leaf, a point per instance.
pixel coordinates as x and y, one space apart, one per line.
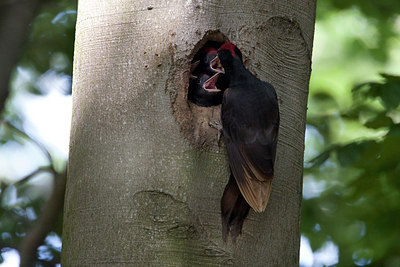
390 153
394 130
388 91
381 120
358 154
368 89
390 78
390 94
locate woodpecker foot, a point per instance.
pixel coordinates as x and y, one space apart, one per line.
218 127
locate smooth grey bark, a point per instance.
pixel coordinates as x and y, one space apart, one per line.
140 191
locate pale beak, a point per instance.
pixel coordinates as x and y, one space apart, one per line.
216 66
209 85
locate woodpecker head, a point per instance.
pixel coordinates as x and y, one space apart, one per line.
209 54
204 92
208 84
227 54
201 62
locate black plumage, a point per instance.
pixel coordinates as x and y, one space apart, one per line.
201 69
250 122
203 91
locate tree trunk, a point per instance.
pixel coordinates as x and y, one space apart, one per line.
146 172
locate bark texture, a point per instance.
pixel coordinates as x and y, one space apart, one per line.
145 180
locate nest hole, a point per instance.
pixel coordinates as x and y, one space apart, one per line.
206 83
197 110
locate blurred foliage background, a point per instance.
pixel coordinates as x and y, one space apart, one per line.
351 192
351 202
34 130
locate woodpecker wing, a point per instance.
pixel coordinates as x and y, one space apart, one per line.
250 119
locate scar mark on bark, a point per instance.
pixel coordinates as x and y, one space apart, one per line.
289 26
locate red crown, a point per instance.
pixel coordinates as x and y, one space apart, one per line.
228 46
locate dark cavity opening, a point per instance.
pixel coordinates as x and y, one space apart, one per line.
206 83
